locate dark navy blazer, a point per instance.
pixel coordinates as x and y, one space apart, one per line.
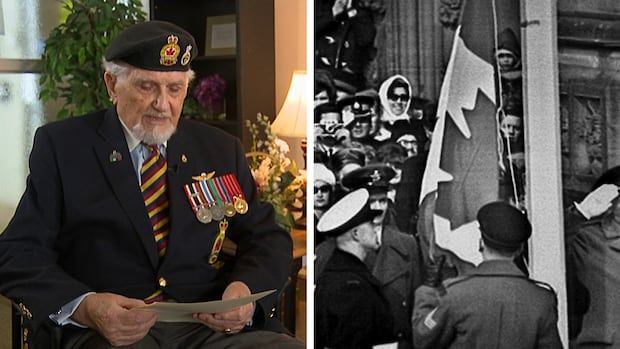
82 226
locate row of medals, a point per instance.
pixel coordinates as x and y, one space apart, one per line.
206 214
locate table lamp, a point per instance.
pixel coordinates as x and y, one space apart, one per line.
291 121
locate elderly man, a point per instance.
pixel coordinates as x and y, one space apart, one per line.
495 305
130 205
350 308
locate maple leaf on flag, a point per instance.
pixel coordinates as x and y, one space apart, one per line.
462 170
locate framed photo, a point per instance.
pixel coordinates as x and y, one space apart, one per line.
221 38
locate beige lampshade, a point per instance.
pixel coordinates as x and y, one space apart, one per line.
291 120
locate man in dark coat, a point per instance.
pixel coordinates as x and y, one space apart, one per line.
350 309
397 264
114 215
495 305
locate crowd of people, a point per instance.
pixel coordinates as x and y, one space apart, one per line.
371 142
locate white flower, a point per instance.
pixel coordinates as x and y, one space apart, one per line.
282 146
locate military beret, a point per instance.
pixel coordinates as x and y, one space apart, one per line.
349 212
154 45
503 226
372 177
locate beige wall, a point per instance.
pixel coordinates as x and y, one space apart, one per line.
290 32
290 45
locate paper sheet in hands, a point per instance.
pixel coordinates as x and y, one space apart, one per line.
182 312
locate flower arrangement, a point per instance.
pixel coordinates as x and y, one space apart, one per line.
209 93
277 177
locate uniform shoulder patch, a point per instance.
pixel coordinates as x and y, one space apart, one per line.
429 322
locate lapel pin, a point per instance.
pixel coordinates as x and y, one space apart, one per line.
116 156
183 158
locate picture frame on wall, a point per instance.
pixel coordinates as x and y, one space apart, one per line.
221 38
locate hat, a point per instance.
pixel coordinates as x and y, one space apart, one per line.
322 173
347 156
365 99
324 108
404 130
154 45
372 177
349 212
508 43
503 226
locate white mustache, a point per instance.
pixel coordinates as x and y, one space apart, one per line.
156 114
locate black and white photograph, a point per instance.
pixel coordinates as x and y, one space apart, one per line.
483 133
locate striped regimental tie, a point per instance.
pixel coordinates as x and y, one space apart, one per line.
155 193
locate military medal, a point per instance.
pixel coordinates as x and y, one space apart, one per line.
198 202
229 208
204 215
217 212
219 241
220 202
241 206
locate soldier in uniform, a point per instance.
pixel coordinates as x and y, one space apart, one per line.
493 306
350 309
397 264
358 116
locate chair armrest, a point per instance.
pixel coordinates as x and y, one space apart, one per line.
10 330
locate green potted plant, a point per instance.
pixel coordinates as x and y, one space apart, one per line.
73 51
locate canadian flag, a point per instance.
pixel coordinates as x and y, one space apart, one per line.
462 170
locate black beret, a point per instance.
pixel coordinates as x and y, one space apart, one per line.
154 45
374 177
349 212
503 226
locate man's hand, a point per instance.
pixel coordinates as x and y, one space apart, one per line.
115 318
598 201
433 272
234 320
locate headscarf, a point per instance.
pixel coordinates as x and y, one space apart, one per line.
387 115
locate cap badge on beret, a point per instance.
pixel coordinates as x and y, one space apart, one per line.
170 51
187 55
375 176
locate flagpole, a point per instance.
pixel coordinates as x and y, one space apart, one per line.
544 171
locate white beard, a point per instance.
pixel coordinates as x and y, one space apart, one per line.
152 137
